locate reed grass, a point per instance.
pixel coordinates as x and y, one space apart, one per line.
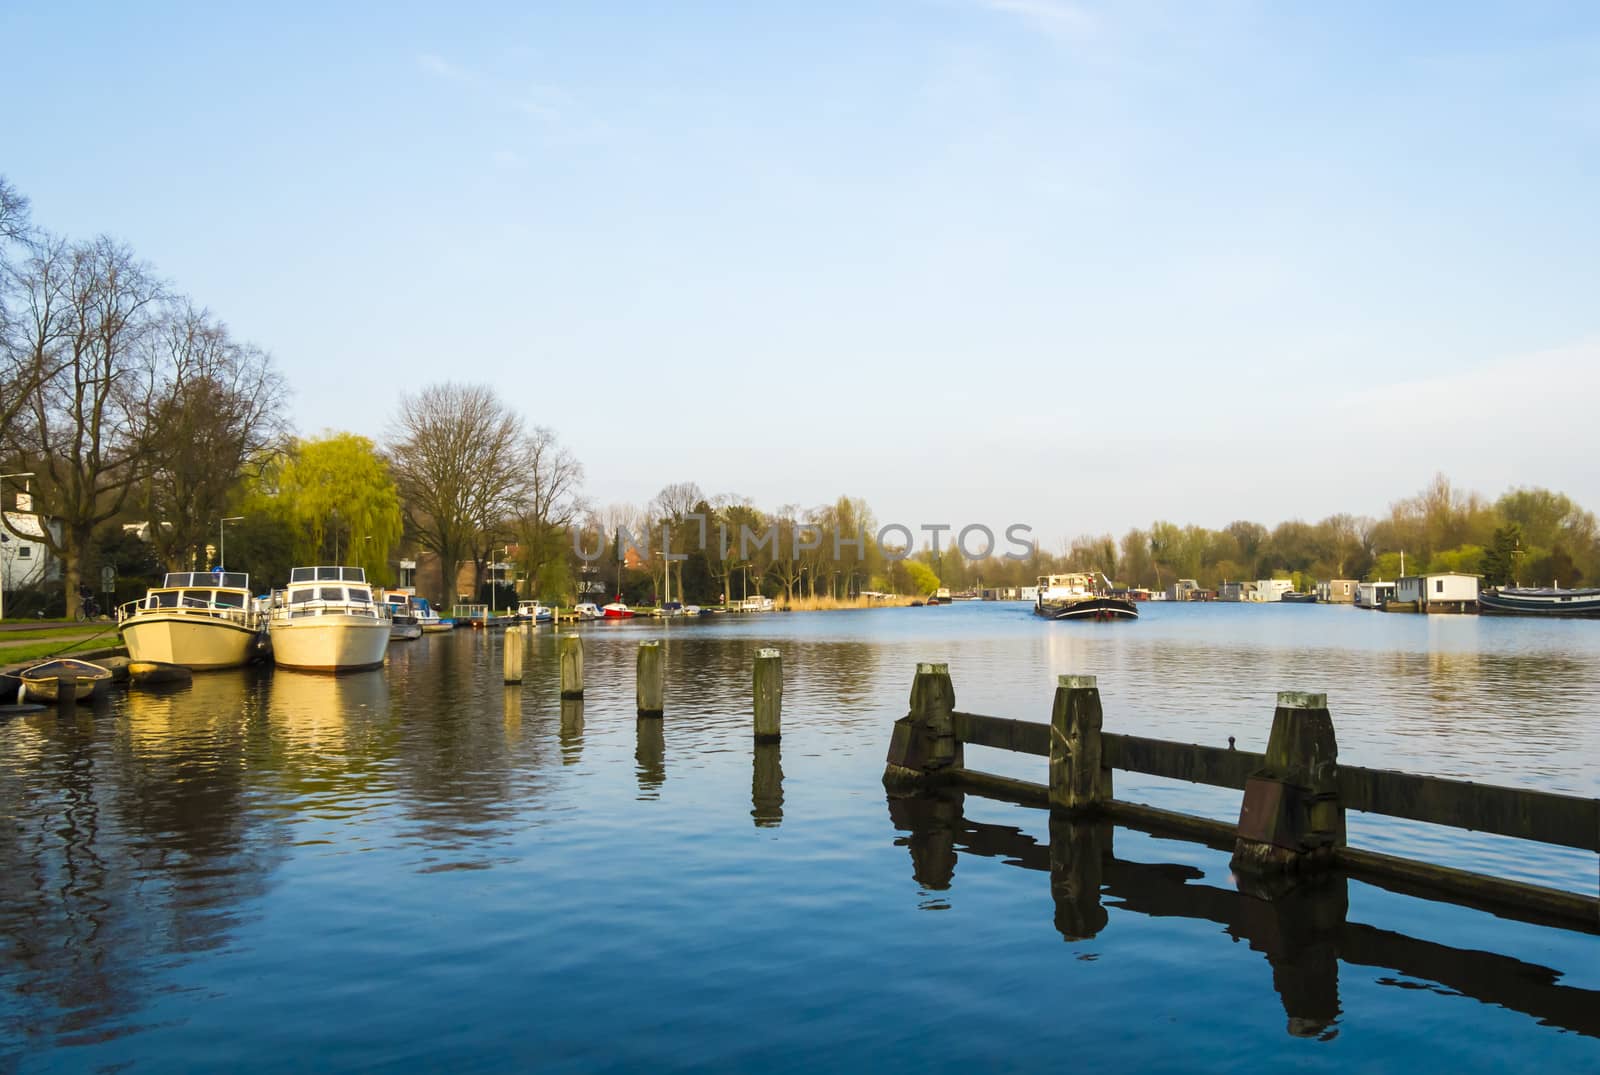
830 604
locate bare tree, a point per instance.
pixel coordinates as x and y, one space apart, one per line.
552 501
460 459
215 415
85 424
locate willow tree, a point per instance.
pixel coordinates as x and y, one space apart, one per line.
339 491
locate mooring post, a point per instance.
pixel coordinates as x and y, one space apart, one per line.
572 666
769 695
650 686
766 786
924 743
512 654
1291 818
1075 721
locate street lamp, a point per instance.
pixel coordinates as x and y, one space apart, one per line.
3 477
494 586
222 540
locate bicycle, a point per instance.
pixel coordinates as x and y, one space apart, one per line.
88 609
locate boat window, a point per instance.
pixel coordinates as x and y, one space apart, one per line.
300 597
330 593
197 598
360 593
228 600
302 574
325 573
167 599
355 574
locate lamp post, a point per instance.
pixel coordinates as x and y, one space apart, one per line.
494 586
222 539
3 477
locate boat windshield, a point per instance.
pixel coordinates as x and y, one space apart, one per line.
233 580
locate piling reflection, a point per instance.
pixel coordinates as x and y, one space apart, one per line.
511 713
651 755
766 786
1301 929
571 730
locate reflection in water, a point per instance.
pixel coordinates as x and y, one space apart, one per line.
651 755
1301 929
766 786
571 730
125 843
511 708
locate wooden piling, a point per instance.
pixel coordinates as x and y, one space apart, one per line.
923 746
572 666
769 695
512 654
1075 750
1292 818
650 690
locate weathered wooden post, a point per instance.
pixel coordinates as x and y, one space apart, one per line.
769 695
512 654
924 743
572 666
650 689
1291 819
1076 785
766 786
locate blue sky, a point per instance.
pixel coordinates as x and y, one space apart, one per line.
1074 265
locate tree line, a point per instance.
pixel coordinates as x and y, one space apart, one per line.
135 407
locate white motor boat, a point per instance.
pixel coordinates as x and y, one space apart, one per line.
199 619
587 610
327 621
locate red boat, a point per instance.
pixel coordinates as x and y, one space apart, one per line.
616 611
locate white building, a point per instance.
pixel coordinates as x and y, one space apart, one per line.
25 560
1336 591
1373 594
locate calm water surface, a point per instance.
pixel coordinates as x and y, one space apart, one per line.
420 868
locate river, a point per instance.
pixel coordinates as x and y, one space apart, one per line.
418 868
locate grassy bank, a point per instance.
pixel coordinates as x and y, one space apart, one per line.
830 604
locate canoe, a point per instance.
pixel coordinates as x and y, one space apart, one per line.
42 682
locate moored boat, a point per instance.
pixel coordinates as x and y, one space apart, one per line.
199 619
616 610
586 610
1294 597
1540 601
428 618
45 682
1081 596
404 626
534 612
327 621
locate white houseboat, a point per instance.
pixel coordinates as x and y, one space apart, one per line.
1373 594
199 619
1447 591
327 621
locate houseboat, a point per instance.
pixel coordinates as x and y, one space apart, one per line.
1081 596
199 619
1448 591
1547 601
1373 594
326 620
428 618
941 596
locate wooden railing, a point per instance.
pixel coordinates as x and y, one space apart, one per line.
1292 817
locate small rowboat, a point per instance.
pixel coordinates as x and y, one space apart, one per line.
44 682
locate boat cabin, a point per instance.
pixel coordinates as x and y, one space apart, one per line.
1373 594
1448 591
315 591
1068 587
209 592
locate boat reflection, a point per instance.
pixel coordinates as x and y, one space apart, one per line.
1302 930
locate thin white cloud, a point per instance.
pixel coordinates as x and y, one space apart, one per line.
1056 17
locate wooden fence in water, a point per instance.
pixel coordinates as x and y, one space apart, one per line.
1292 815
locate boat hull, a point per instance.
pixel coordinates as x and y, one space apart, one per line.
191 641
331 643
405 632
42 682
1500 603
1088 608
